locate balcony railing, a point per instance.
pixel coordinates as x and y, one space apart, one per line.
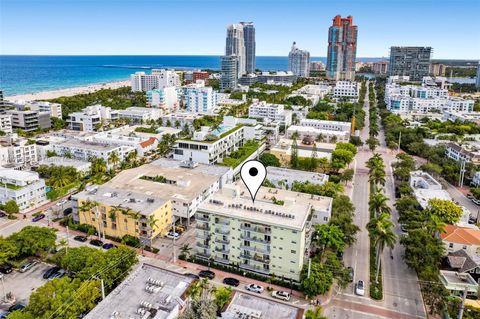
201 235
222 260
201 218
255 239
222 250
203 227
258 269
202 245
256 229
222 222
256 249
222 231
202 254
222 241
256 258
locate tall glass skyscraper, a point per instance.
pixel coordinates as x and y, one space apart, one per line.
410 61
342 49
299 61
249 40
478 77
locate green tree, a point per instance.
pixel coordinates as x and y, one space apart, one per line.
319 282
341 158
33 240
446 210
63 298
347 175
7 250
381 230
222 296
11 207
342 217
422 250
294 155
268 159
372 143
329 236
114 159
378 204
315 313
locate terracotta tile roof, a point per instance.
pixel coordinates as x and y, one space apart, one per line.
461 235
148 142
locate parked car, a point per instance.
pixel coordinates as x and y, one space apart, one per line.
171 235
350 274
476 201
80 238
197 277
472 220
58 274
360 288
470 196
231 281
67 211
28 265
3 214
207 274
38 217
6 269
50 271
96 242
254 288
108 246
282 295
403 228
16 307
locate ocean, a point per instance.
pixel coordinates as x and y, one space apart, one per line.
28 74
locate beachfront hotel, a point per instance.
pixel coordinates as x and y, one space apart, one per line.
91 116
118 212
271 237
158 79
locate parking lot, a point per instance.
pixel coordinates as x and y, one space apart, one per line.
165 244
21 285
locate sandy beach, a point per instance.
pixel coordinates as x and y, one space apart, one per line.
67 92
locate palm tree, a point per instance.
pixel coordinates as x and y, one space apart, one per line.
89 206
98 165
320 138
185 250
114 159
382 234
152 222
378 204
377 176
435 225
132 156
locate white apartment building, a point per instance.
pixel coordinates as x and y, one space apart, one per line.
468 152
201 150
89 117
476 179
164 98
284 178
17 151
199 99
54 109
139 114
271 112
85 151
346 89
24 187
6 123
183 118
319 135
116 137
159 78
272 236
461 116
187 184
327 125
425 187
81 166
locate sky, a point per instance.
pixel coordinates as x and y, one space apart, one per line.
197 27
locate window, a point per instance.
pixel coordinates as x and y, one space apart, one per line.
450 245
294 242
293 251
464 247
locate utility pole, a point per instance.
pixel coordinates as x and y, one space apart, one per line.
399 141
309 267
102 286
462 305
462 173
174 253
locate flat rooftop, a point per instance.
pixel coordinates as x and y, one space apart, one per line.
14 174
124 197
182 183
63 161
243 304
234 201
424 195
279 173
132 294
88 145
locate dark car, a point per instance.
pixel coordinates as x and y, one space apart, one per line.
193 276
231 281
38 217
207 274
16 307
108 246
80 238
403 228
6 269
58 274
2 214
67 211
50 272
350 274
96 242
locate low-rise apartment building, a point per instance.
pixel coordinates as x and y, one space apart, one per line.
83 167
185 184
159 78
271 112
119 137
29 120
91 116
272 236
317 134
139 114
6 123
54 109
26 188
468 152
461 238
349 90
425 187
85 151
285 177
117 212
305 147
164 98
453 116
17 151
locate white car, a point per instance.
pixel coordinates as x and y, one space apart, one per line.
360 288
282 295
171 235
254 288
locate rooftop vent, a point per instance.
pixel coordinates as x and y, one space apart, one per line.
150 200
132 200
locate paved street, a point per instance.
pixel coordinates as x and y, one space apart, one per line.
402 298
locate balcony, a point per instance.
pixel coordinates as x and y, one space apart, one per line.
261 230
222 260
256 257
222 241
255 239
222 222
253 268
222 231
222 250
203 255
201 218
202 245
203 227
202 235
256 249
